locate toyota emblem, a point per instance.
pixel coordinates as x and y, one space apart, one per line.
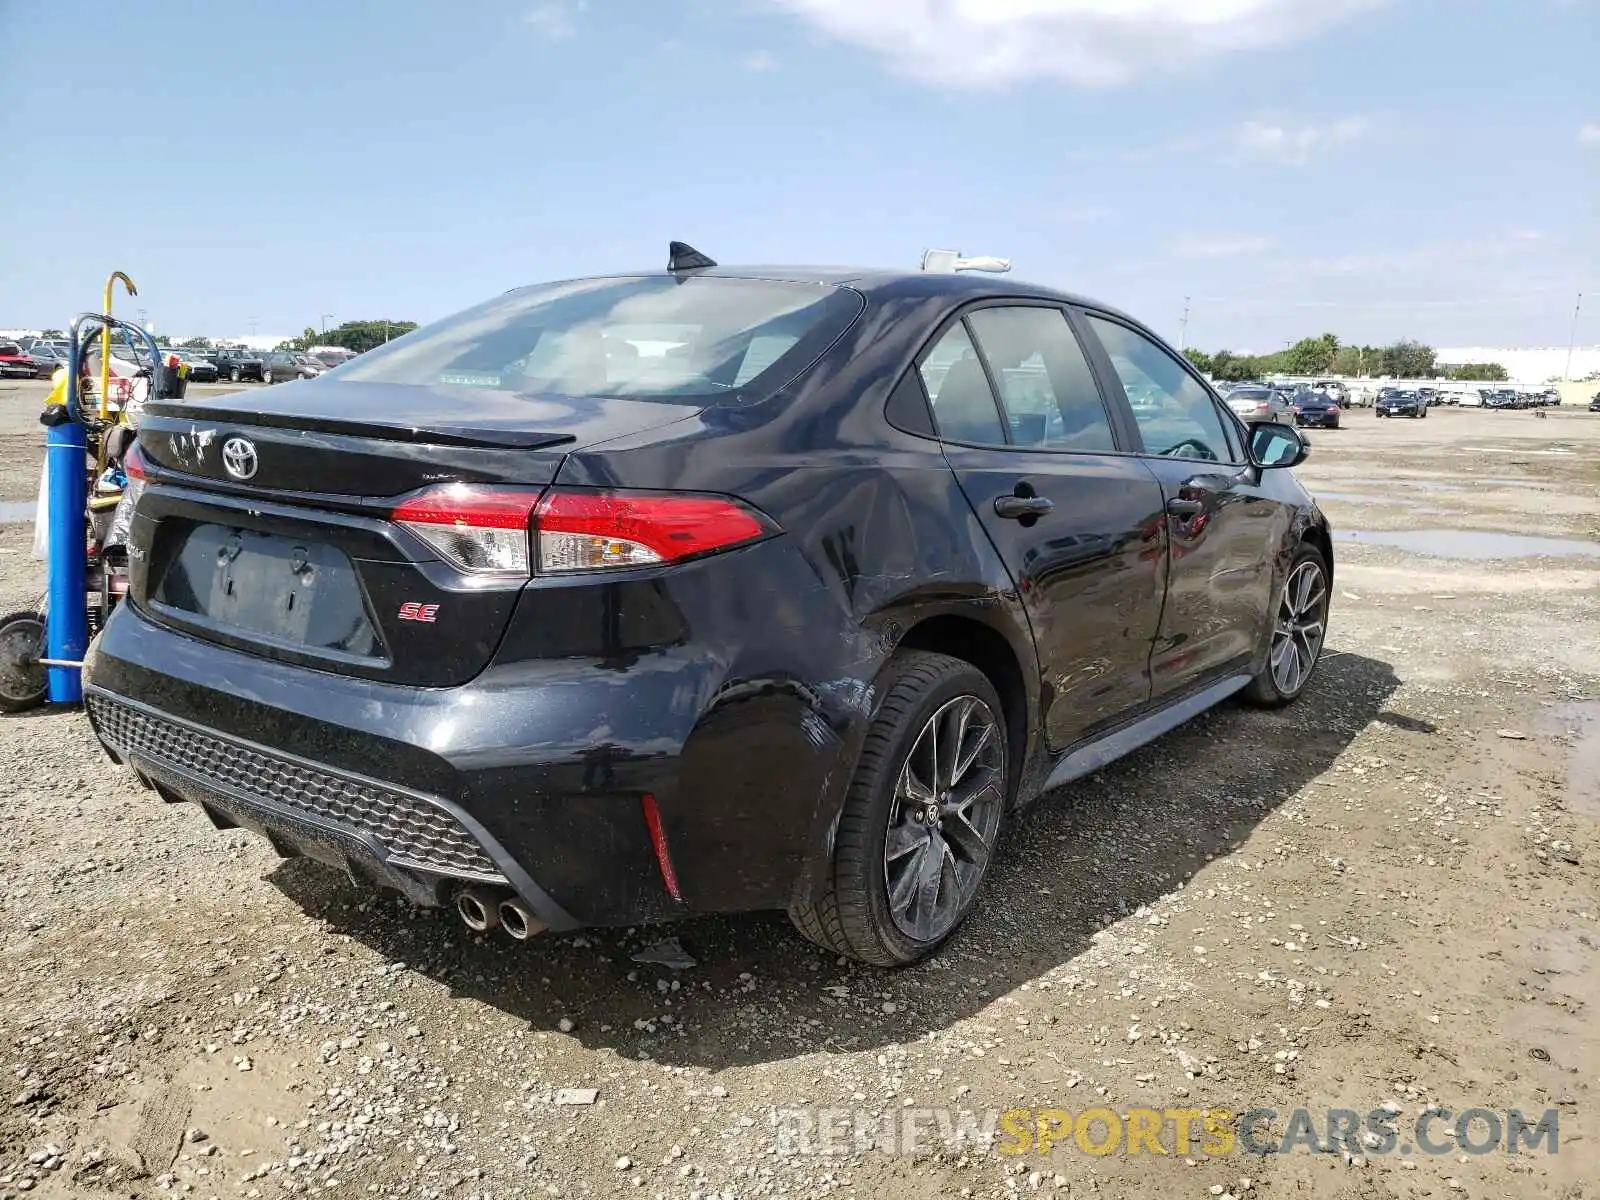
239 458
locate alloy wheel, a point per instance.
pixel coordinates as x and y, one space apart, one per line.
944 820
1298 631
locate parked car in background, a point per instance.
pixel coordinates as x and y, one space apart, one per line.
1261 403
1429 396
1316 408
237 365
137 357
283 365
330 356
17 363
1396 403
201 368
46 360
737 625
1501 398
1594 402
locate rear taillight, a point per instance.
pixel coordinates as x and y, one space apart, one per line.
480 530
1333 408
599 531
509 532
133 463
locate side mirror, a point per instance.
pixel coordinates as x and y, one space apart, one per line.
1275 445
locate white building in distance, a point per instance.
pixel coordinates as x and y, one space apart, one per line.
1529 364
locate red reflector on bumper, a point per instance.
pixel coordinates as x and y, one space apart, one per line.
658 839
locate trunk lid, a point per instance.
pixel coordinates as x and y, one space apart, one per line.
264 525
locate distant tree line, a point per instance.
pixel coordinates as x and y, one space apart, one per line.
1485 372
359 336
1327 355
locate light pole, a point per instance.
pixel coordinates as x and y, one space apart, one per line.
325 317
1183 327
1572 339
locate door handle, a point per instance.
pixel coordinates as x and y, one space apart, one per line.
1180 507
1014 508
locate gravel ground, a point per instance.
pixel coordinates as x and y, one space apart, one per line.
1386 894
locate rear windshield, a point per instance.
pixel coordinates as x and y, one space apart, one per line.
690 341
10 348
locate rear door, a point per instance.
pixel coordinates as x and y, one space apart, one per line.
1077 521
1220 522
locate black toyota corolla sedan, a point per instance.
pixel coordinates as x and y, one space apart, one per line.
703 590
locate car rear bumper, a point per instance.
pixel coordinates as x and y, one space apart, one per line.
392 835
531 777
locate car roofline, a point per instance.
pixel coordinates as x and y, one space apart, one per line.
866 280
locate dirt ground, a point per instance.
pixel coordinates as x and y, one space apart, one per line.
1386 894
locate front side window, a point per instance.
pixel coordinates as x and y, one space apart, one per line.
1047 390
698 340
1175 413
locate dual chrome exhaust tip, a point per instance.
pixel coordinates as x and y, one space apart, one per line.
483 909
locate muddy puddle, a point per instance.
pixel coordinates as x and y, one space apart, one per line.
1580 722
1474 544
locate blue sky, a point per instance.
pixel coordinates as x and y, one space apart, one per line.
1378 168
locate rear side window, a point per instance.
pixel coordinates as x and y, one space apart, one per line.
1049 394
963 404
697 340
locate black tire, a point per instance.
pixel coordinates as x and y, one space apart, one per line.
852 915
233 375
22 678
266 377
1269 689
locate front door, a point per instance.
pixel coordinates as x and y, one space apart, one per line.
1219 520
1078 524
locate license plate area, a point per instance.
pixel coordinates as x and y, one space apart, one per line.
295 592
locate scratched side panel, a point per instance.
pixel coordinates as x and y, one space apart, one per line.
877 536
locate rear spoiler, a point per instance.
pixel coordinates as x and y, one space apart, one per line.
424 435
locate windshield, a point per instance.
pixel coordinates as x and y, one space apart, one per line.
10 348
696 340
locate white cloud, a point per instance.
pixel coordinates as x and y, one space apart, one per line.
758 62
1295 145
554 19
1221 245
988 43
1589 135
